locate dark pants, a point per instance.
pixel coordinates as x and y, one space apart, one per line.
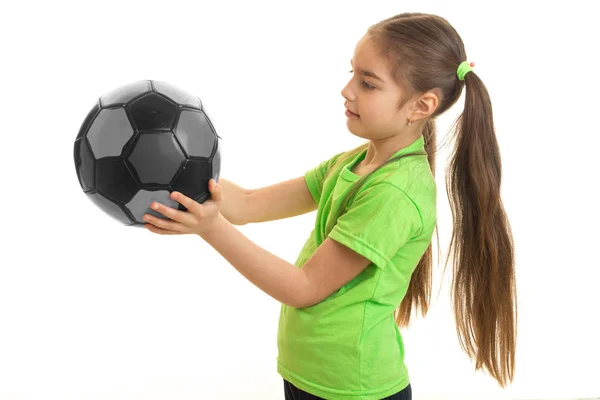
293 393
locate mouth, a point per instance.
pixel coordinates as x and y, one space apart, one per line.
352 113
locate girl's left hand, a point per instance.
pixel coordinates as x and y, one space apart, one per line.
198 219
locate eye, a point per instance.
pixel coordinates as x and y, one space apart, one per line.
365 84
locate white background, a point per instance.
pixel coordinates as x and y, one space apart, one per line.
93 310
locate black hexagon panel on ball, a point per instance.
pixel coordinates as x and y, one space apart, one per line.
139 143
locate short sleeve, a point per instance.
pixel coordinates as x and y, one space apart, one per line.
314 177
379 221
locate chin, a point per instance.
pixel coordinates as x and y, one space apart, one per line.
357 132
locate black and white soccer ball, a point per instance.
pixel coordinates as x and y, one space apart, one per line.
141 142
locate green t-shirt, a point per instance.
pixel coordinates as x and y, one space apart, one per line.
348 346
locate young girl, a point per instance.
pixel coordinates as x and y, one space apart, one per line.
367 262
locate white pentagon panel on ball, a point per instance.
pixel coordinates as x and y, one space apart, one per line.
124 94
140 203
109 133
177 95
195 133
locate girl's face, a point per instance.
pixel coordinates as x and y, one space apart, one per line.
373 95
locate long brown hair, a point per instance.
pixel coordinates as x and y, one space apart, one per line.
424 52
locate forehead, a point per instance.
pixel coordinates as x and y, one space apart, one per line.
366 57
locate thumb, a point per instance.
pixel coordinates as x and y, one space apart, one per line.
215 189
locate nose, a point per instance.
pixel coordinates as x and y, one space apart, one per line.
346 93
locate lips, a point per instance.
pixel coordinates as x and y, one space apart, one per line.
351 111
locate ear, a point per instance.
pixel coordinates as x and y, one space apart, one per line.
426 104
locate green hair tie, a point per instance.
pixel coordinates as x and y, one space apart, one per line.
463 69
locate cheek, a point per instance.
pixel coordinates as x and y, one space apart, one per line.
378 114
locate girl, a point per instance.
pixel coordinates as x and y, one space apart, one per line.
367 262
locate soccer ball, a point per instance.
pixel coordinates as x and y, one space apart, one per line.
139 143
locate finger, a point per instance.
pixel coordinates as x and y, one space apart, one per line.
158 230
165 224
175 215
192 205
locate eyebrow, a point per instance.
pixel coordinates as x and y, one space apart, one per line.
367 73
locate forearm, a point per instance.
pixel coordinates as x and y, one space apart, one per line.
278 278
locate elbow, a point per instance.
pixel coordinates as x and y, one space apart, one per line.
299 304
302 297
298 301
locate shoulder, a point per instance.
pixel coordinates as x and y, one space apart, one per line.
386 198
412 176
413 181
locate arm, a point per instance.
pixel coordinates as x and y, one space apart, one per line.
278 201
282 200
273 275
331 266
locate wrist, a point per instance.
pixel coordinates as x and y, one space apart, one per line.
217 223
